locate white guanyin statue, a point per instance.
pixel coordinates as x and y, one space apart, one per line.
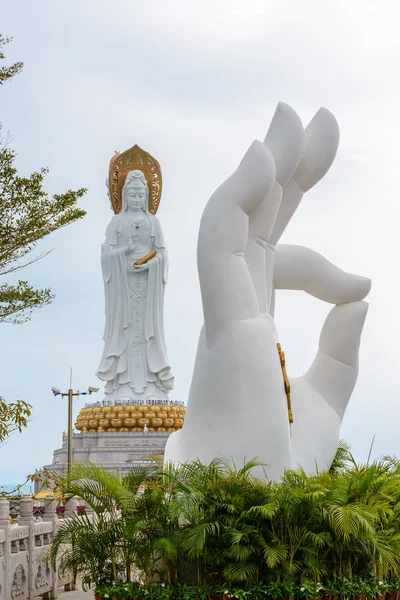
134 261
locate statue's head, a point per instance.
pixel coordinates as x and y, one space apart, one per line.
135 193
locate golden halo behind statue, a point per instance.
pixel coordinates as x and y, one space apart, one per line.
130 160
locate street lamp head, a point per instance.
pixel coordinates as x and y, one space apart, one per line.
55 391
91 390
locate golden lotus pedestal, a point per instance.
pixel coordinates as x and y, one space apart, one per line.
131 418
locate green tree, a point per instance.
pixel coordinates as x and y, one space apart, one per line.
27 214
8 72
13 417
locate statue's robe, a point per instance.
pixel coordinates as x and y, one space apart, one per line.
115 363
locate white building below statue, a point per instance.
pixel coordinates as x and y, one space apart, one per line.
116 451
119 437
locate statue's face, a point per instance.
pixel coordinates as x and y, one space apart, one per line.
136 196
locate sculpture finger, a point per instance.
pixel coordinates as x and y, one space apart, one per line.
333 373
292 195
227 289
300 268
260 254
285 140
321 140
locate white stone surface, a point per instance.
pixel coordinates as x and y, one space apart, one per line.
134 364
24 570
237 406
116 451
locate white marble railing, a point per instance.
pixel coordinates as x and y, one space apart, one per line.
25 572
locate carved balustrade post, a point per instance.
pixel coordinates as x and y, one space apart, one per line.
50 516
26 519
50 509
4 511
70 507
88 509
25 511
70 511
5 531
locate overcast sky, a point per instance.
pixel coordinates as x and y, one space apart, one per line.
194 83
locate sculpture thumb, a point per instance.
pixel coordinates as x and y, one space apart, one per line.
334 371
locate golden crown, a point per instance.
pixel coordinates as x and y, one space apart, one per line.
130 160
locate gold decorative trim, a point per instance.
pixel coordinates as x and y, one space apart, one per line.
286 382
134 158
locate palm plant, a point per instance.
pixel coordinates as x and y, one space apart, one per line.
153 524
96 545
341 522
135 523
216 538
343 459
215 524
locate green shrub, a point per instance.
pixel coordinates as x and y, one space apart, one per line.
334 532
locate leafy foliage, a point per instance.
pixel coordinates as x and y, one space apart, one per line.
97 545
27 214
45 478
13 417
341 588
8 72
214 525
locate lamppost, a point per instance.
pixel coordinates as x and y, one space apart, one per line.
70 394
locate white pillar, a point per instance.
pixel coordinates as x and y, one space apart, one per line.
5 527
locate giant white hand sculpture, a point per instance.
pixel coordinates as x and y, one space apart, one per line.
237 404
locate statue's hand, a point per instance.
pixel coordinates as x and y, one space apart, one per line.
129 248
237 406
138 268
